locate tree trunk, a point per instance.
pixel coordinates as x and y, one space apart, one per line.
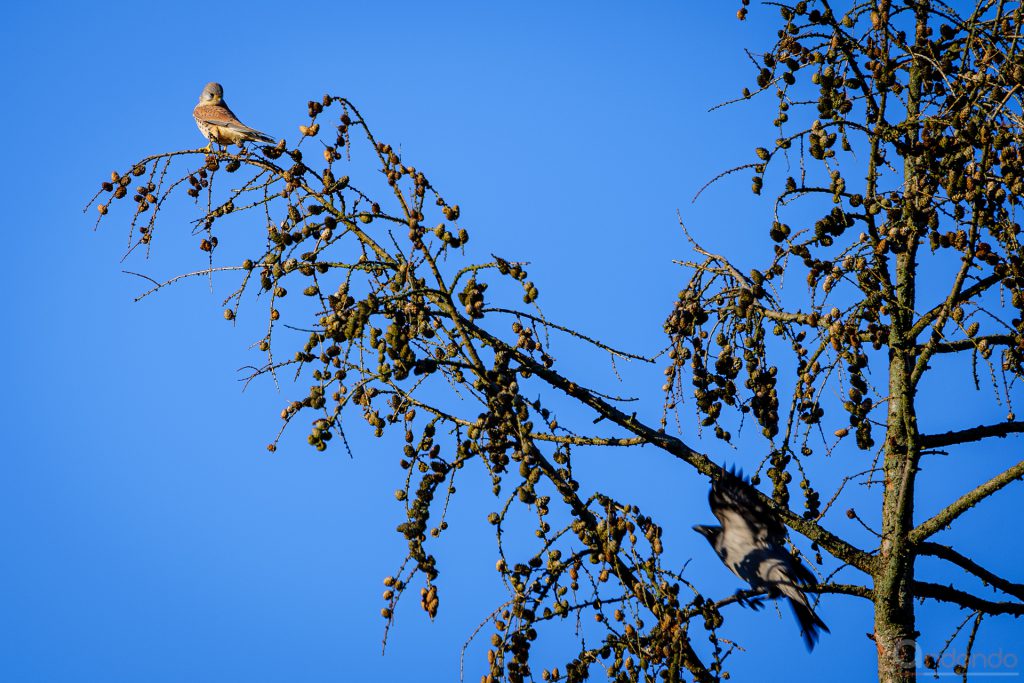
894 606
895 632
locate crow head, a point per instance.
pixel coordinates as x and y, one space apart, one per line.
711 533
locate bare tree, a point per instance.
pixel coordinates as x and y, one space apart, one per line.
899 130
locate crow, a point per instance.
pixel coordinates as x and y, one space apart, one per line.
750 543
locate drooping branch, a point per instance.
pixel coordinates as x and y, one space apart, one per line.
968 565
965 502
588 531
973 434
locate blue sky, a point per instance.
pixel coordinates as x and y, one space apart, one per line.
148 534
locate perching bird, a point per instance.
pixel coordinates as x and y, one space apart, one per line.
750 543
219 124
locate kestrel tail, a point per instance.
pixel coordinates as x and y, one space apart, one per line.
219 124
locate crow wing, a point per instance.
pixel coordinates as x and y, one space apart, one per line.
735 504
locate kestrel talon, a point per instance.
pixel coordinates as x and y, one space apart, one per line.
219 124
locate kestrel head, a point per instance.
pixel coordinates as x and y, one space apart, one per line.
213 93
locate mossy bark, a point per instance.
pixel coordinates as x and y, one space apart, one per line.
895 631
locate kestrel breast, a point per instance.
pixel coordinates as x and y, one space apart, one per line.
204 128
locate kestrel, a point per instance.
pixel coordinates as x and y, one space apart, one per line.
219 124
750 543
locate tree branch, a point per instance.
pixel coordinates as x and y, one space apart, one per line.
934 591
964 503
968 435
972 343
623 571
833 544
968 565
966 295
835 588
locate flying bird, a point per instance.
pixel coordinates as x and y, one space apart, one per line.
750 542
219 124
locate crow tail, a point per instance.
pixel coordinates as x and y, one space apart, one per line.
810 623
